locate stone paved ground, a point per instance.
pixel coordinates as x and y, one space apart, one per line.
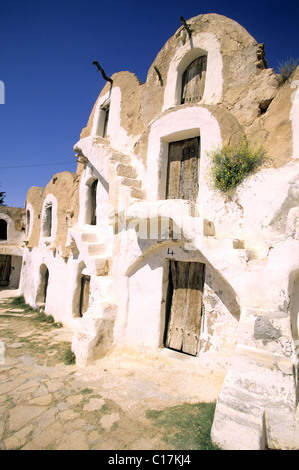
46 404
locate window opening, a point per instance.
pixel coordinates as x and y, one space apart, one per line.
3 229
47 224
183 169
27 222
193 80
106 117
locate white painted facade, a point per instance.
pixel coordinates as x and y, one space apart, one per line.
249 244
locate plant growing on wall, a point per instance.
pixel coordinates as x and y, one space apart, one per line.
285 69
231 165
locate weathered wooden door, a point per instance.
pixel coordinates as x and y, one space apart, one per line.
182 173
193 80
5 266
94 202
84 294
184 306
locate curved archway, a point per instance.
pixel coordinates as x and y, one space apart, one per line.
41 294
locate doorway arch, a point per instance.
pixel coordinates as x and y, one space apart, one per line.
41 295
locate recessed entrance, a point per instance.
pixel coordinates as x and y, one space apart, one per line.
93 196
183 169
5 267
184 306
84 294
41 296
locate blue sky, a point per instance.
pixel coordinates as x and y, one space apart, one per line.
46 53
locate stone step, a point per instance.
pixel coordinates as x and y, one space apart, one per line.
120 158
131 182
102 265
127 171
89 237
95 249
138 193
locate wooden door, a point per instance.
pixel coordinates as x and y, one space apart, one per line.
84 294
5 266
183 169
94 203
184 306
193 80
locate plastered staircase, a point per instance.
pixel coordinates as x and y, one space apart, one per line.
93 336
127 175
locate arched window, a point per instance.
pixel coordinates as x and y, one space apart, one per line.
3 229
47 221
193 80
84 294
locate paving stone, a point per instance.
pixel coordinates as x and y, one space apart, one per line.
43 400
94 404
22 415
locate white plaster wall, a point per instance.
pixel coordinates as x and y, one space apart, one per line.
14 237
63 282
117 135
294 117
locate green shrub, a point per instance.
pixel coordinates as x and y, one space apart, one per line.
231 165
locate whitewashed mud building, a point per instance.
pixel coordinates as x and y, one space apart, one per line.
136 251
12 236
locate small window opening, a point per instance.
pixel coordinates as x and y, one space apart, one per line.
193 80
27 222
3 229
106 118
47 223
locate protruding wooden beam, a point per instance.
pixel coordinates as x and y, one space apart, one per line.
186 26
159 74
108 79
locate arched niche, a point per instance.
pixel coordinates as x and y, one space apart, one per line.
81 291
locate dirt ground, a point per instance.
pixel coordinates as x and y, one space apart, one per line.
117 403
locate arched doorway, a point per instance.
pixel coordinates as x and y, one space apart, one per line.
41 296
84 294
